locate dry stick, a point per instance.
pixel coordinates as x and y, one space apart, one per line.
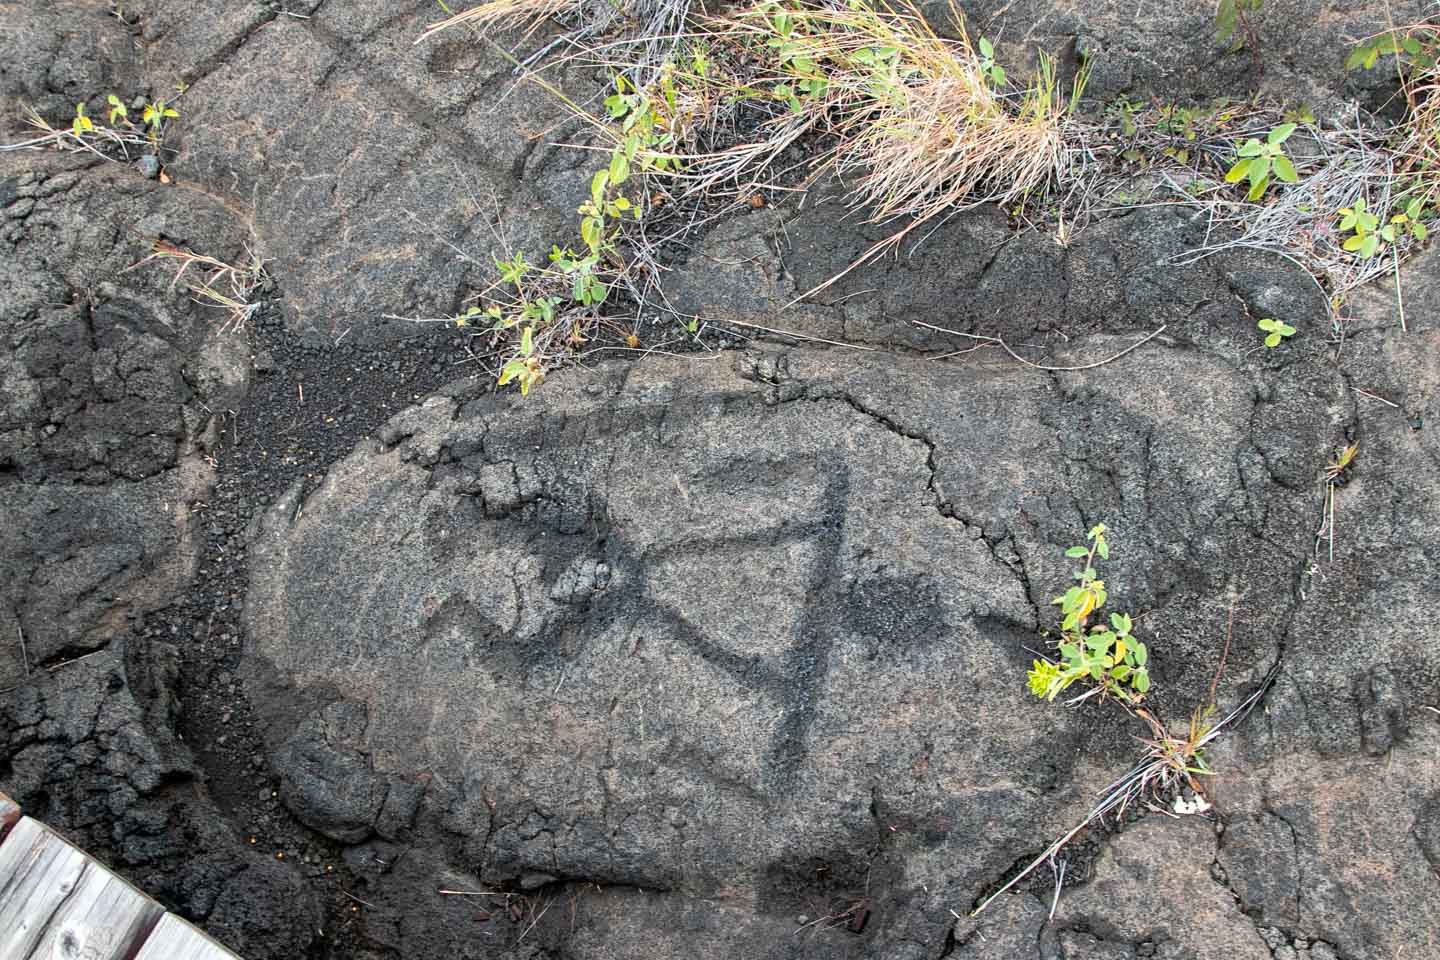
24 654
1376 396
1039 366
1399 296
1224 654
358 900
797 336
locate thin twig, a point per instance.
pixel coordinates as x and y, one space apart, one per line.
24 654
1038 366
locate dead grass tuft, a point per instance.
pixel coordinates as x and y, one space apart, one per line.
215 282
504 15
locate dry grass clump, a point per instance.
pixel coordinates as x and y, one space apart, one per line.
505 14
919 124
913 122
1420 147
653 27
215 282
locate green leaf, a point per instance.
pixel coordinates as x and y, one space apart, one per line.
1251 148
997 74
1121 622
1236 173
619 167
1141 654
1356 58
1069 651
1285 170
592 232
1280 134
1259 173
1141 680
598 183
1285 330
1419 231
1102 550
1120 672
511 370
987 49
1369 245
1273 340
1354 243
1076 552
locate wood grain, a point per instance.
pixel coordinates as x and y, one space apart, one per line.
55 902
174 939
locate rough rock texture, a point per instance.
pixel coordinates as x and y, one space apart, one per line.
89 746
709 656
730 629
1167 49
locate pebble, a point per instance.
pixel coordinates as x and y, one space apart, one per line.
149 167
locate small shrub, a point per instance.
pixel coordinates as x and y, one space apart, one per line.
1255 161
1107 656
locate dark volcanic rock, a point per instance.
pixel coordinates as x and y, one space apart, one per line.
89 748
327 783
816 591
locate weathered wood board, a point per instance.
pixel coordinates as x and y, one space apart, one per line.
57 902
174 939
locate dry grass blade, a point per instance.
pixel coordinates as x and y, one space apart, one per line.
503 14
238 282
1420 149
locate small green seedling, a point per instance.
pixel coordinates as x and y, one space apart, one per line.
1406 222
117 109
1255 162
1364 227
1275 331
81 124
992 70
1108 656
155 116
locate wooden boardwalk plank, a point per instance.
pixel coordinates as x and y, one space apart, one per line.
57 902
174 939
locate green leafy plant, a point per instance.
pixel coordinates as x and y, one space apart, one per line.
1407 222
525 369
992 70
1403 43
1232 26
1275 331
82 124
1364 228
117 109
155 115
1368 235
1255 161
1104 654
